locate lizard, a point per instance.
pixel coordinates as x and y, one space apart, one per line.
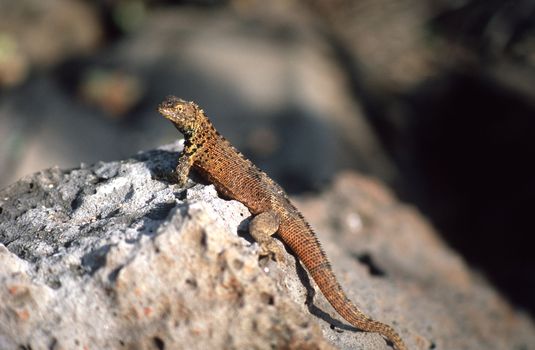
236 177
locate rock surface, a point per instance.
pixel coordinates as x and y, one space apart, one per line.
115 256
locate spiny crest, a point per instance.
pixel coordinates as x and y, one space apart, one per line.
183 114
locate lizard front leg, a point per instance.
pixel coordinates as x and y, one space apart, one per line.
185 161
262 227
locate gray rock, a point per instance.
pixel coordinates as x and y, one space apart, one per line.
115 256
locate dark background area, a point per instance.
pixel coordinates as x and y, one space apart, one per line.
436 98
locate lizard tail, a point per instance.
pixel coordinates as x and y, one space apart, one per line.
298 235
332 290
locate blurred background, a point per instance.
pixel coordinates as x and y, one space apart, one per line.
434 97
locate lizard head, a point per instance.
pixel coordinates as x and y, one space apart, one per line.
183 114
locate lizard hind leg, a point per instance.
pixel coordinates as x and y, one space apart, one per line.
262 227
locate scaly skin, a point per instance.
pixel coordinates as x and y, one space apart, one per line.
237 178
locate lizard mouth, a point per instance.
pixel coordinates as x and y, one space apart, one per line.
170 106
167 107
165 111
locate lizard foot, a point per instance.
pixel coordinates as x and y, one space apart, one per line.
262 227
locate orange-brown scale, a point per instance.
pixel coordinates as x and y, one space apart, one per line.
238 178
